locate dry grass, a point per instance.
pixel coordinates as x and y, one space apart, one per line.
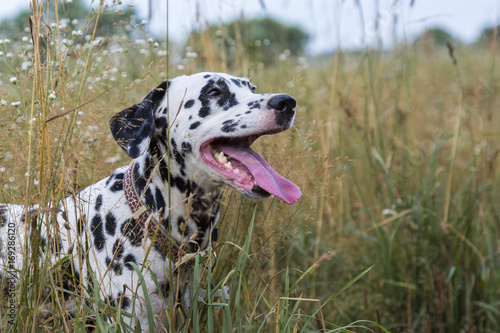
395 153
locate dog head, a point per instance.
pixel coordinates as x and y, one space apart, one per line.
208 122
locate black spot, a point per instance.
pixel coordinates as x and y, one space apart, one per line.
118 250
108 261
116 186
140 182
190 117
243 126
160 201
237 115
113 177
250 103
186 148
180 183
204 111
149 199
3 215
165 288
229 126
110 300
164 171
248 112
133 231
194 125
43 243
236 82
207 76
179 158
110 223
189 104
98 202
166 222
98 232
215 235
160 122
128 259
80 225
228 98
254 105
118 269
125 302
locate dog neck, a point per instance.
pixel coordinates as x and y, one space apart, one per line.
186 208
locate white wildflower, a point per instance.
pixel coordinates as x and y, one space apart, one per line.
144 22
13 80
52 96
3 102
25 65
387 212
15 103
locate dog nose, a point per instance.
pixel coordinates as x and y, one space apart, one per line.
283 106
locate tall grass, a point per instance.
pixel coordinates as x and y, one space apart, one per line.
395 153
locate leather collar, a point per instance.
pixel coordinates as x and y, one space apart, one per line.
140 213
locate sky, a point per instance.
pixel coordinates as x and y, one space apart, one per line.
330 23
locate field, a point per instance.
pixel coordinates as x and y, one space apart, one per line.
396 153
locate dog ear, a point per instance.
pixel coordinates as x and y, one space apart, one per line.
133 128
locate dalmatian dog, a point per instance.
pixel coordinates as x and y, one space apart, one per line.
188 138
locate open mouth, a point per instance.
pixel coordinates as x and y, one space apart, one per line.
244 168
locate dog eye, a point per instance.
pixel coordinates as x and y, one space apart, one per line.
214 92
254 88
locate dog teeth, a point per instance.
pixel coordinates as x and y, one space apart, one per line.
228 165
220 157
236 171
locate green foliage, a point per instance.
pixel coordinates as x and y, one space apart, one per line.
435 36
488 35
261 40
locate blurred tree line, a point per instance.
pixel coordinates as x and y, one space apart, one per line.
75 14
260 39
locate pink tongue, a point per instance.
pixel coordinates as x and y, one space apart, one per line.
265 176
